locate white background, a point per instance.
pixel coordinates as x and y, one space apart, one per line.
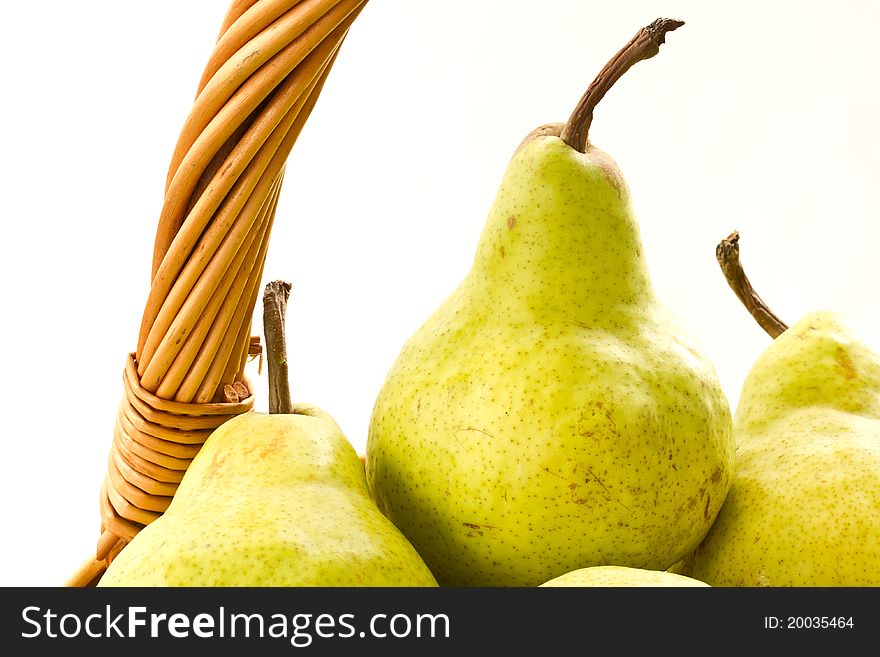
759 116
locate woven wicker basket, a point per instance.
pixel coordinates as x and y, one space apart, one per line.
187 377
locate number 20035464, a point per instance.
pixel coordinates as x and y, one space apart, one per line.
808 622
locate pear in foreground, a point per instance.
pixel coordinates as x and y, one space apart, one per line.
620 576
272 500
552 413
804 506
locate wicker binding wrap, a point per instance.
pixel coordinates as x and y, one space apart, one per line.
187 377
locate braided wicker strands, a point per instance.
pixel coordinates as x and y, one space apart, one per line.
186 377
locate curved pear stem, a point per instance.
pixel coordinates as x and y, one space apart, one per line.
727 254
644 45
275 298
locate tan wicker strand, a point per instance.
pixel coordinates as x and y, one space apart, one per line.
89 572
244 337
193 246
113 522
241 264
171 448
173 407
186 376
236 9
139 479
200 276
243 64
185 303
125 509
222 368
248 24
208 128
126 441
147 468
211 342
134 494
233 113
222 237
106 544
229 357
215 378
150 420
169 426
187 429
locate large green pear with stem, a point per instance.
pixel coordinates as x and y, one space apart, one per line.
276 499
804 505
552 414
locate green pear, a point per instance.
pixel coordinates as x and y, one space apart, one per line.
620 576
275 499
804 505
552 414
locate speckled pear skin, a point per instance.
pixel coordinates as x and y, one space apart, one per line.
621 576
804 505
271 500
551 414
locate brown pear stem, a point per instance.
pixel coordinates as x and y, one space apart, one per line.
727 253
644 45
275 298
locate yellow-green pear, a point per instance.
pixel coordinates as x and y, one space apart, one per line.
621 576
804 505
552 414
275 499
